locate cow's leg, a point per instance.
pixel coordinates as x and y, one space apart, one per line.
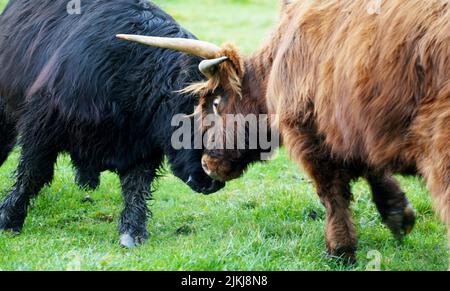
34 171
438 180
437 174
7 134
333 189
332 182
87 179
136 190
395 210
436 167
87 176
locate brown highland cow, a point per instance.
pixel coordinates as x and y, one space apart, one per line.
356 94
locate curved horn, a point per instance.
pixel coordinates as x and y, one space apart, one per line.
208 67
190 46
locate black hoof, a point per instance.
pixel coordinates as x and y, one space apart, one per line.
9 221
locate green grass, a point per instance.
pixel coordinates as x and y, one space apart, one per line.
263 221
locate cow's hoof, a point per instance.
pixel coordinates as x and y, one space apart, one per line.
128 241
88 181
344 255
10 222
401 223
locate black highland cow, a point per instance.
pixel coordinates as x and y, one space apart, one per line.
68 85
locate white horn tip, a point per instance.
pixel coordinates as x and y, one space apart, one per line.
122 36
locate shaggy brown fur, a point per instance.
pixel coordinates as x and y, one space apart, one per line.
356 95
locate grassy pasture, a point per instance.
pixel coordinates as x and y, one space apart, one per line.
270 219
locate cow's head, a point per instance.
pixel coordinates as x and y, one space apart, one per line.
231 116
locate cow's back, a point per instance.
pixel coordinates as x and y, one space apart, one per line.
74 62
358 68
109 101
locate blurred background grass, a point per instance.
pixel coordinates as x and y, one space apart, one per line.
271 219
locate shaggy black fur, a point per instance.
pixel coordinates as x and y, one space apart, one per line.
70 86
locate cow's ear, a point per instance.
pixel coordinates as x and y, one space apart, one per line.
234 59
285 3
